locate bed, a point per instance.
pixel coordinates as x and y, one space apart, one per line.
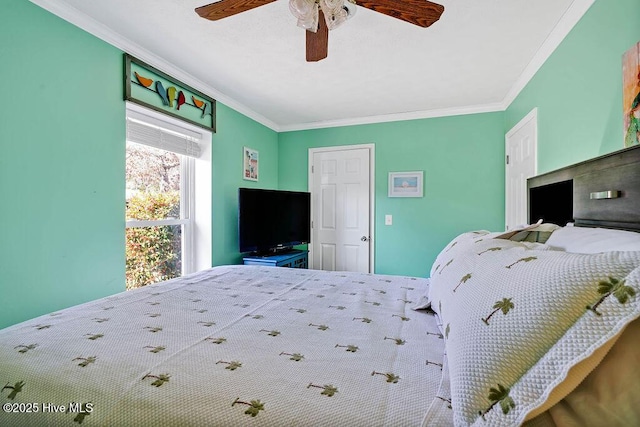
535 326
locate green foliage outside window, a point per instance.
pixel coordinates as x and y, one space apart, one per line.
153 253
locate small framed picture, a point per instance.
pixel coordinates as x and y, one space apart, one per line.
405 184
249 164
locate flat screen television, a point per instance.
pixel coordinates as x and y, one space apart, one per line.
272 220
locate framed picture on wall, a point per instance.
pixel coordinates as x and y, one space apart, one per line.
249 164
153 89
631 95
405 184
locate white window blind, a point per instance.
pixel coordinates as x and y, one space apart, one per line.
154 136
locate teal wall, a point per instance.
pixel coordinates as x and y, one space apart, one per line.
578 91
233 133
62 154
61 165
461 158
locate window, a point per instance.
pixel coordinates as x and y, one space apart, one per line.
162 161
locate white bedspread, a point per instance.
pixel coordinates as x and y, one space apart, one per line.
232 346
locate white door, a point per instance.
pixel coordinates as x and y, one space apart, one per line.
340 208
521 148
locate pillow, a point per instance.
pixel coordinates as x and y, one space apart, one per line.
533 233
593 240
518 316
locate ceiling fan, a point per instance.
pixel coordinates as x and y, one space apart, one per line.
320 16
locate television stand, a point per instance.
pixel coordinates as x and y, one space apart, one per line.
294 258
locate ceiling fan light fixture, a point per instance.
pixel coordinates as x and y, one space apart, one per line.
333 16
310 23
317 17
336 12
306 11
350 6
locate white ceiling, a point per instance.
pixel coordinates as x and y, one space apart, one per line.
475 59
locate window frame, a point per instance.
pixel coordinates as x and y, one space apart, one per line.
190 167
186 220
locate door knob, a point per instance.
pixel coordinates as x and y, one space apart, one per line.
364 239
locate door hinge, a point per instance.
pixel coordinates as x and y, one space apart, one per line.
507 159
312 168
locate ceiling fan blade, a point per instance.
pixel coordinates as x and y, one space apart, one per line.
318 42
225 8
422 13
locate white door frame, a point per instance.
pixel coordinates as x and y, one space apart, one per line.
532 115
372 192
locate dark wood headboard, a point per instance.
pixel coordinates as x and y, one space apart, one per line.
601 192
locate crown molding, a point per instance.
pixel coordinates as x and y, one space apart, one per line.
569 19
93 27
396 117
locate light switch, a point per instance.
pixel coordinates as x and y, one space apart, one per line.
388 220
